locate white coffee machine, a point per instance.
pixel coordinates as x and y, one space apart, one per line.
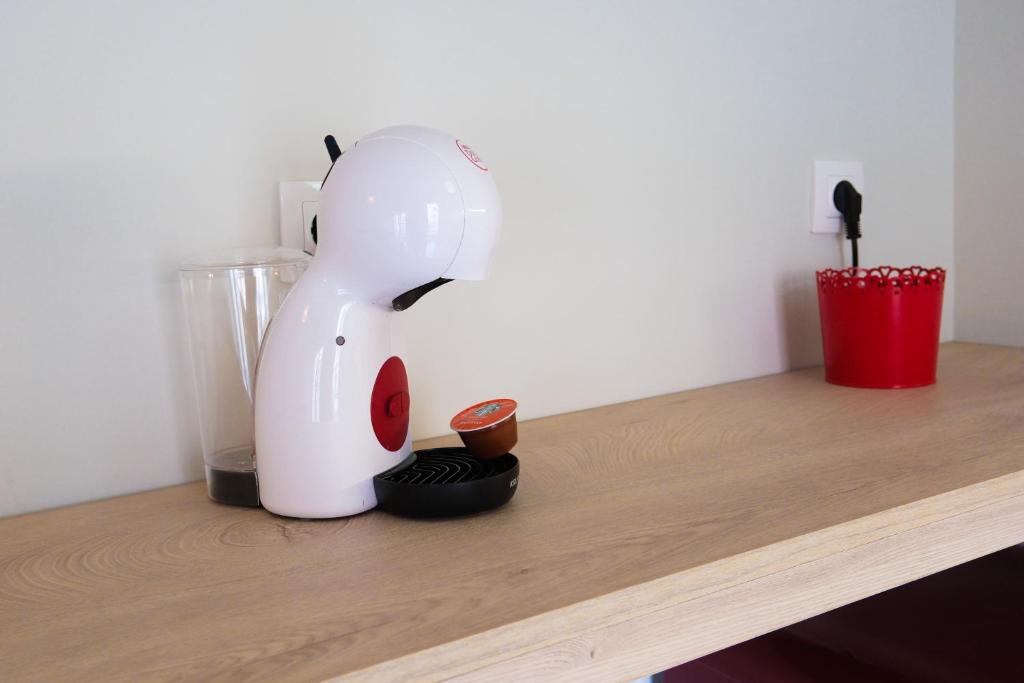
402 211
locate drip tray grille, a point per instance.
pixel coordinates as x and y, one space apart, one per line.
446 482
447 466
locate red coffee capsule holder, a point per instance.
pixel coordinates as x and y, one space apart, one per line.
880 326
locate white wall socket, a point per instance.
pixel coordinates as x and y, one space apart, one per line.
299 200
828 174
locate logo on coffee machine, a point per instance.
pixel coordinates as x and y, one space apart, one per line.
473 157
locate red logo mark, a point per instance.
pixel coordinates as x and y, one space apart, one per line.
473 157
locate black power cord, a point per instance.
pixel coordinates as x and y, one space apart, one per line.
848 202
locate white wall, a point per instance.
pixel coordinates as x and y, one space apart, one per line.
990 171
654 160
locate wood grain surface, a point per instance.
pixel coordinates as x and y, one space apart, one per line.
643 534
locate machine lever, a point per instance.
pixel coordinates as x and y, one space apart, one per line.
404 301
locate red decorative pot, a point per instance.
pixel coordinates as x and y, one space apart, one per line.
880 326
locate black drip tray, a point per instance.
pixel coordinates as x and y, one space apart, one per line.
446 482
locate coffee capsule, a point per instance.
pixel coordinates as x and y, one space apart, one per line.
489 428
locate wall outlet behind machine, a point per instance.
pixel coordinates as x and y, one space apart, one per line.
828 174
299 201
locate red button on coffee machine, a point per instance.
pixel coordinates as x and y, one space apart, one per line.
389 404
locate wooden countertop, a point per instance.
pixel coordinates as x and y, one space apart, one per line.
643 535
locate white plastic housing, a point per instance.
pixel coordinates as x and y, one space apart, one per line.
399 209
316 451
405 206
481 205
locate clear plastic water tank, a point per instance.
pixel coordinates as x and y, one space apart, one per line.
230 297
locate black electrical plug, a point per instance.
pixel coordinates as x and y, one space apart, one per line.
333 150
848 202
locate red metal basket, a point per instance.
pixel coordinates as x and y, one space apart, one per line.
880 326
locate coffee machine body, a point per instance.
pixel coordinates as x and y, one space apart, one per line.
402 211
